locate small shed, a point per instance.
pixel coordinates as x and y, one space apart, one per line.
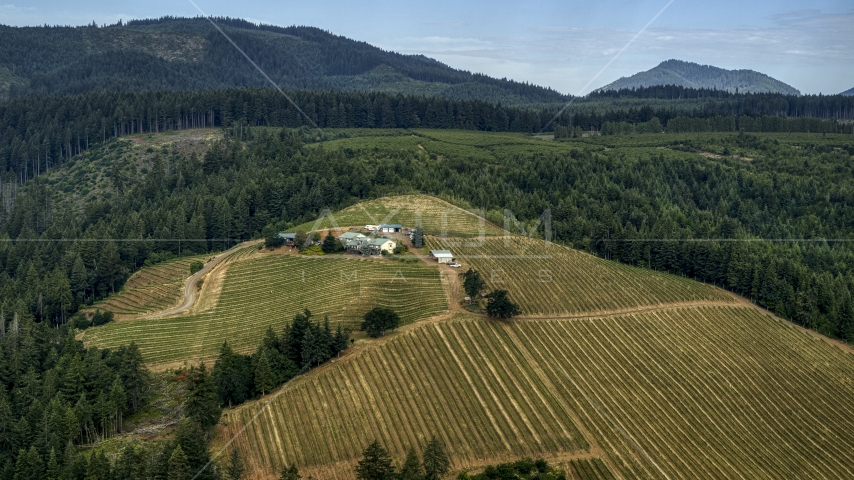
391 228
288 238
442 256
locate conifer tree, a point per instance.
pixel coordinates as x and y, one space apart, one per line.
418 238
411 469
436 462
30 465
234 469
53 471
202 403
264 377
118 400
99 466
109 266
331 244
127 465
376 464
315 349
473 282
179 468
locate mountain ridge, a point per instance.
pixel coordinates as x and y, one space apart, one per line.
694 75
848 93
174 53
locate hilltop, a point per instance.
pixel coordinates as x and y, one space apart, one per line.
624 365
849 92
189 54
693 75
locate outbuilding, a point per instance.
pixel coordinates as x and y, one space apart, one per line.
391 228
288 238
442 256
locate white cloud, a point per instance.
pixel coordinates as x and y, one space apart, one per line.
566 58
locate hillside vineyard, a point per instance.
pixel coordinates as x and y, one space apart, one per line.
389 268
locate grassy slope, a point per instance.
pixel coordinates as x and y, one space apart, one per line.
704 392
268 290
549 279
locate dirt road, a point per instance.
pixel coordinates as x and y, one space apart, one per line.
190 287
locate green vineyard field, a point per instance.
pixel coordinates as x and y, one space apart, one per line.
151 288
549 279
689 392
435 216
593 469
269 290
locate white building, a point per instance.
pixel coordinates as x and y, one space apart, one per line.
380 245
442 256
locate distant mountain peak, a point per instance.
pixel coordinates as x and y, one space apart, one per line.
694 75
848 93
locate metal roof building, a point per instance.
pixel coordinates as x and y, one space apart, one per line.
442 256
350 236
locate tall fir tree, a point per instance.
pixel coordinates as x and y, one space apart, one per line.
202 404
436 462
179 467
376 464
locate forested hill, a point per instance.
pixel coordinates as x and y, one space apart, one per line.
189 54
848 93
688 74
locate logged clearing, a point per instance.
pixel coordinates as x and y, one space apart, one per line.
151 288
692 392
268 290
435 216
547 279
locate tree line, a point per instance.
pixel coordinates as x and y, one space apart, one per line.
41 133
718 123
302 345
839 107
56 395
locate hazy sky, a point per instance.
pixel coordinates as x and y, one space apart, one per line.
560 44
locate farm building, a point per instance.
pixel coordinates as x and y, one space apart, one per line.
288 237
380 245
353 246
345 237
353 242
442 256
391 227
